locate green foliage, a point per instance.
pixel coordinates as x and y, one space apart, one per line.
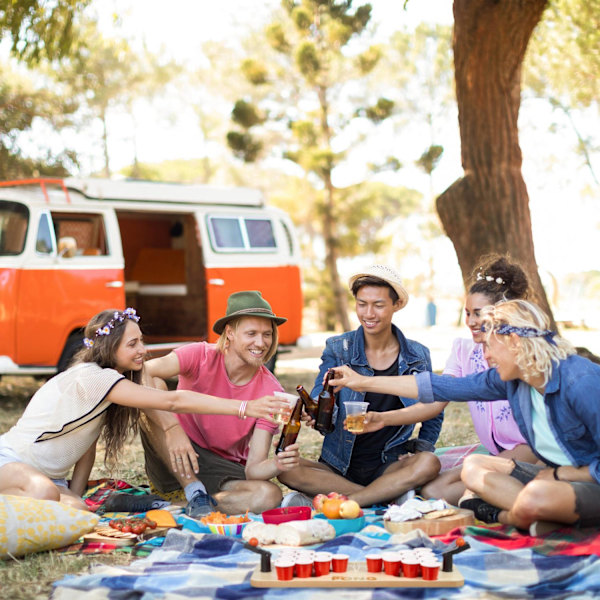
368 60
276 38
246 114
380 111
254 71
244 146
39 29
302 18
391 163
429 160
307 60
20 105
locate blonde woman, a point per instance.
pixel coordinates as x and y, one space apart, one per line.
553 394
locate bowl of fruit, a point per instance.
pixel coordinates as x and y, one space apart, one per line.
345 516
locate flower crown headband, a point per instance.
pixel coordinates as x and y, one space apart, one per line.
498 280
128 313
524 332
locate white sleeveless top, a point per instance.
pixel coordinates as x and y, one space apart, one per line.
63 419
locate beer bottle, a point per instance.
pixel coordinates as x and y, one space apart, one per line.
290 430
310 406
326 403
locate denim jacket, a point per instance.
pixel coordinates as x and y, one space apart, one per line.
572 400
349 349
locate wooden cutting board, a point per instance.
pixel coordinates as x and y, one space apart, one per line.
356 576
108 535
439 526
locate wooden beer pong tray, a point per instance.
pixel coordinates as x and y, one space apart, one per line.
356 576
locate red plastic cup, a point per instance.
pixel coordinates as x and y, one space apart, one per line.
285 570
339 563
304 568
322 563
430 570
374 563
410 567
391 563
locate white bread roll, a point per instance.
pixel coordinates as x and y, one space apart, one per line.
303 533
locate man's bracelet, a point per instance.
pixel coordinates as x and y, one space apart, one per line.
555 472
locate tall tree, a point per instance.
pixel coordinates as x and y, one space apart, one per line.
488 208
305 100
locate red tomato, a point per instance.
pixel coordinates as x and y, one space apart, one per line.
253 542
126 529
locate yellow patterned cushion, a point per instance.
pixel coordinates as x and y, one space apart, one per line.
28 525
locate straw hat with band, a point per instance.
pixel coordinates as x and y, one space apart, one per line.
246 304
387 274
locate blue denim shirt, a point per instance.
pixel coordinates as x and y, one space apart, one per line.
572 398
349 349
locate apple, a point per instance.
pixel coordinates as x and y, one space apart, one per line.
349 509
337 496
318 502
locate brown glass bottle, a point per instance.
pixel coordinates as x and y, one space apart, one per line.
326 403
290 430
310 406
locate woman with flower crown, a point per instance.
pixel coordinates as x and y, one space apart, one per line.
553 395
99 395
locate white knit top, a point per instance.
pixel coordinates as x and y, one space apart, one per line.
63 419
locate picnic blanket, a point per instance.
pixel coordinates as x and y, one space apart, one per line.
210 566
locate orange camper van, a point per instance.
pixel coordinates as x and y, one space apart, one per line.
70 248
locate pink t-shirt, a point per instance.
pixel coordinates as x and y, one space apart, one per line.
493 421
202 369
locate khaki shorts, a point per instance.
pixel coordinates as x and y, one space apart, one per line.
214 471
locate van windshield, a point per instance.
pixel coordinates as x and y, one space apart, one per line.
14 218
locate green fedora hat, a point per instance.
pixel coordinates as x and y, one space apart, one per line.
246 304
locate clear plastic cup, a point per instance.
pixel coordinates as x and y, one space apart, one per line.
283 417
355 416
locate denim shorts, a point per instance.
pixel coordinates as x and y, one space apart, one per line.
587 494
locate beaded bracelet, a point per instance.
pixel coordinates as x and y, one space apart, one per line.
242 410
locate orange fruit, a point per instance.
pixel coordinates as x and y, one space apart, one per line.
331 508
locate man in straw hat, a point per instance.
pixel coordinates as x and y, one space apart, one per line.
221 462
385 465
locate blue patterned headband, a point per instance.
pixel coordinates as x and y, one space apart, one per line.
128 313
525 332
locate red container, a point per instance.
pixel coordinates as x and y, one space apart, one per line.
430 570
322 565
374 563
391 563
411 567
339 563
288 513
285 571
304 568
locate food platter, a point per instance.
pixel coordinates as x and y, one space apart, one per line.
438 526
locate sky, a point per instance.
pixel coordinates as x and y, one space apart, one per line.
564 200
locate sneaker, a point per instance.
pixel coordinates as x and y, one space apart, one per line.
123 502
296 499
400 500
481 509
538 528
200 504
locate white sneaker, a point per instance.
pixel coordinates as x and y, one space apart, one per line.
296 499
400 500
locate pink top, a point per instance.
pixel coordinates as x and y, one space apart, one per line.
493 421
202 369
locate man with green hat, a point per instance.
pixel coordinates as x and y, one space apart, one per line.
221 462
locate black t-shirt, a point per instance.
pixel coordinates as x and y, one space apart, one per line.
369 446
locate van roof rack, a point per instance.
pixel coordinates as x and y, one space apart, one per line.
42 182
151 191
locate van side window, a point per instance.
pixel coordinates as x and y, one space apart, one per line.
86 229
14 218
235 233
44 242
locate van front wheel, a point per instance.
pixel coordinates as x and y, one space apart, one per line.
73 344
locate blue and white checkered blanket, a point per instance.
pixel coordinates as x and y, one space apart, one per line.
189 565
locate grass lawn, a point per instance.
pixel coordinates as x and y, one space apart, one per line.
32 576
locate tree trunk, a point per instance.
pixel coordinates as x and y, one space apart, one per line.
339 291
487 210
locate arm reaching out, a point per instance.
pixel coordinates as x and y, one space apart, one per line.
403 385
